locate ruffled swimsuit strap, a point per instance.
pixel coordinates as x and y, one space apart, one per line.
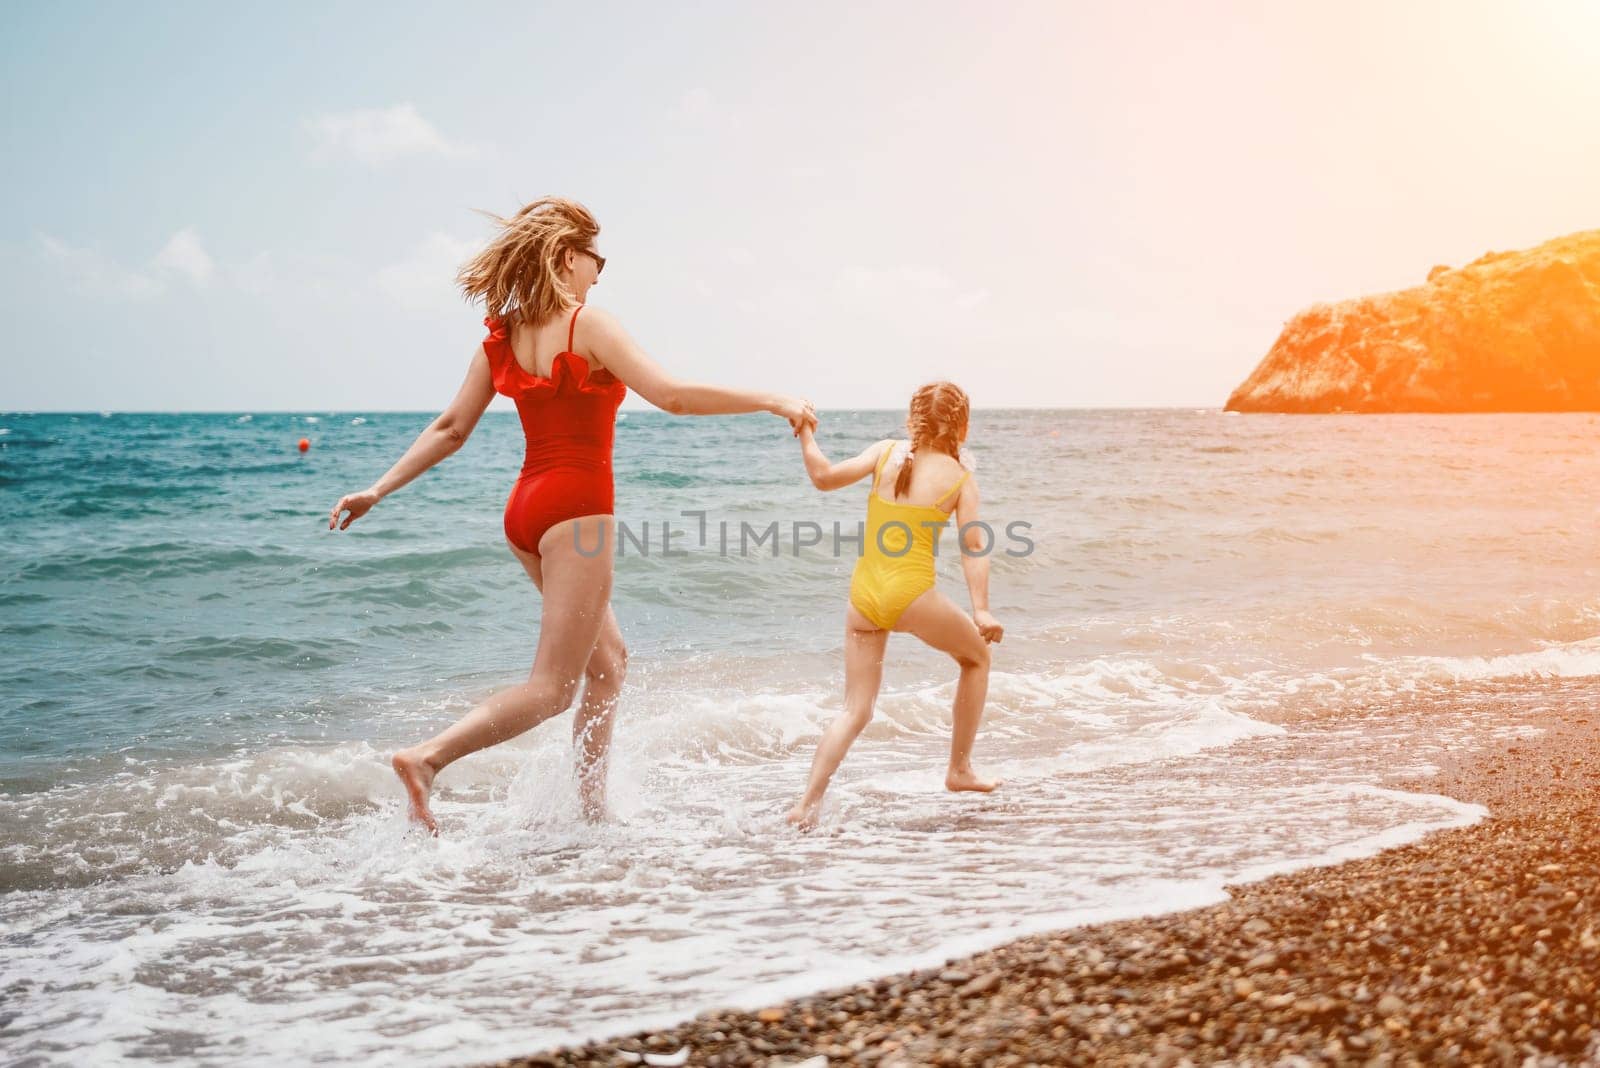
497 347
495 342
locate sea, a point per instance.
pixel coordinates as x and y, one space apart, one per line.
1215 629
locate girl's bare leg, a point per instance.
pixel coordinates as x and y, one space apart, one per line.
863 674
577 591
937 620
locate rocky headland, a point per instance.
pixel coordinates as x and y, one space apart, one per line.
1508 332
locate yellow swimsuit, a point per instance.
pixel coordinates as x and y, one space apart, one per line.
890 573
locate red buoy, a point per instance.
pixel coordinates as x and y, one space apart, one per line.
304 444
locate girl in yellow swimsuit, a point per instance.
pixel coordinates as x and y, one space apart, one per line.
916 485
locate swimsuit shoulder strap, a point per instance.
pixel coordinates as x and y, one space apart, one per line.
877 472
572 328
964 476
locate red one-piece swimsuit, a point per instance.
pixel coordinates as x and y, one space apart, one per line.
569 420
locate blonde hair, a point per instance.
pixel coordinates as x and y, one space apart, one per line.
517 274
938 420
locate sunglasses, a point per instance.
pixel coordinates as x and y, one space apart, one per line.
599 260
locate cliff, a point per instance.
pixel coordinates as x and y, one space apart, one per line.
1510 331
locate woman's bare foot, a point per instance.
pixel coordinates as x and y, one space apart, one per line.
416 775
967 779
594 807
805 817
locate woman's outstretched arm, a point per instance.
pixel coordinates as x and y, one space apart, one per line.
621 355
831 476
443 436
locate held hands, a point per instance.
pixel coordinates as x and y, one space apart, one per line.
799 412
988 626
357 504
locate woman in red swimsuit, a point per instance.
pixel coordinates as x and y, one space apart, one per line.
533 279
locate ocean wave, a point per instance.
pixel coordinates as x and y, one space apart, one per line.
432 562
399 591
285 652
1093 717
670 479
154 560
1559 660
1289 534
1347 632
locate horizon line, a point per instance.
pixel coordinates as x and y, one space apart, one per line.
622 411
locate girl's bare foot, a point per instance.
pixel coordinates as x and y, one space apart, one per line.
804 817
967 779
416 775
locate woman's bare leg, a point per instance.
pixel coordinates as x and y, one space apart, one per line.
937 620
591 726
864 644
577 591
603 677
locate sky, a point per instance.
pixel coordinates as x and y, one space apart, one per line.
262 207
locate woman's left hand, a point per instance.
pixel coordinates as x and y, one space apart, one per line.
357 504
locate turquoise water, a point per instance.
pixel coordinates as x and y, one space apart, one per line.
201 685
171 588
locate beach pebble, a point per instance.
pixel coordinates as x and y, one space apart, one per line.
1262 962
982 984
1389 1005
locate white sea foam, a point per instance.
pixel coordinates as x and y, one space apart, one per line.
288 889
1575 659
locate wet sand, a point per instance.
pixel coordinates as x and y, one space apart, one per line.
1476 945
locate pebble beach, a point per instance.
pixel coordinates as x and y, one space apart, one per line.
1474 945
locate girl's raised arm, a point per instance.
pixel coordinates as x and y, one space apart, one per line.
831 476
439 439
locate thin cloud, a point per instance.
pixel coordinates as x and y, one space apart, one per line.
425 278
381 135
184 255
93 272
